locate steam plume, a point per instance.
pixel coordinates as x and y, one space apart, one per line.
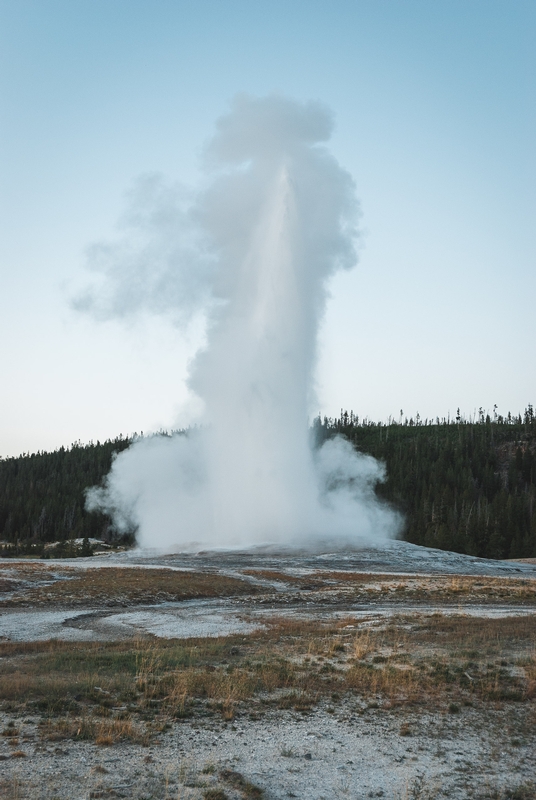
254 250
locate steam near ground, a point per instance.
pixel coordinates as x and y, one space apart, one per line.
253 251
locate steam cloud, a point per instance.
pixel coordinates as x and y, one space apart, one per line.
254 251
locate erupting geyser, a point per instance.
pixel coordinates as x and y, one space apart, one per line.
254 250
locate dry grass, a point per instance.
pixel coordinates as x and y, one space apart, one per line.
128 691
112 586
312 581
110 692
237 781
37 584
12 789
431 589
103 732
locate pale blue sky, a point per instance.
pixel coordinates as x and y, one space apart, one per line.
435 118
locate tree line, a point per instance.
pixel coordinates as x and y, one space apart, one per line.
42 497
467 485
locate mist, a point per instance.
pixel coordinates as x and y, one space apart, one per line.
253 250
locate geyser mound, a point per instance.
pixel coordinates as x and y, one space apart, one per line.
254 250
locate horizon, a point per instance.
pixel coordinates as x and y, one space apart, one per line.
479 416
434 117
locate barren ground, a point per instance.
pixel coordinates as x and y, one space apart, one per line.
396 673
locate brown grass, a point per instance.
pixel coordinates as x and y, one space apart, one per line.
12 789
312 581
111 586
402 661
103 732
430 589
38 584
237 781
110 692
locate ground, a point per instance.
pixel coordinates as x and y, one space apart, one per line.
397 672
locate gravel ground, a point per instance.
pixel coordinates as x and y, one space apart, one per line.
394 556
346 751
204 618
390 556
352 753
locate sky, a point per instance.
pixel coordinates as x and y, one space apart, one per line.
434 107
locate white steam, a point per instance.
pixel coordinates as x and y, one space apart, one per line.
254 251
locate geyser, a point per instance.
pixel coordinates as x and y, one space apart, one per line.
254 250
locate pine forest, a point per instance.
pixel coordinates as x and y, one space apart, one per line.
462 485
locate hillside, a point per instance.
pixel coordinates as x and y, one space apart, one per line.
42 496
467 486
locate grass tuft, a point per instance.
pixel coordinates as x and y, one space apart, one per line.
128 691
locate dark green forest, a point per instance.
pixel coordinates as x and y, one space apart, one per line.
467 486
463 485
42 496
